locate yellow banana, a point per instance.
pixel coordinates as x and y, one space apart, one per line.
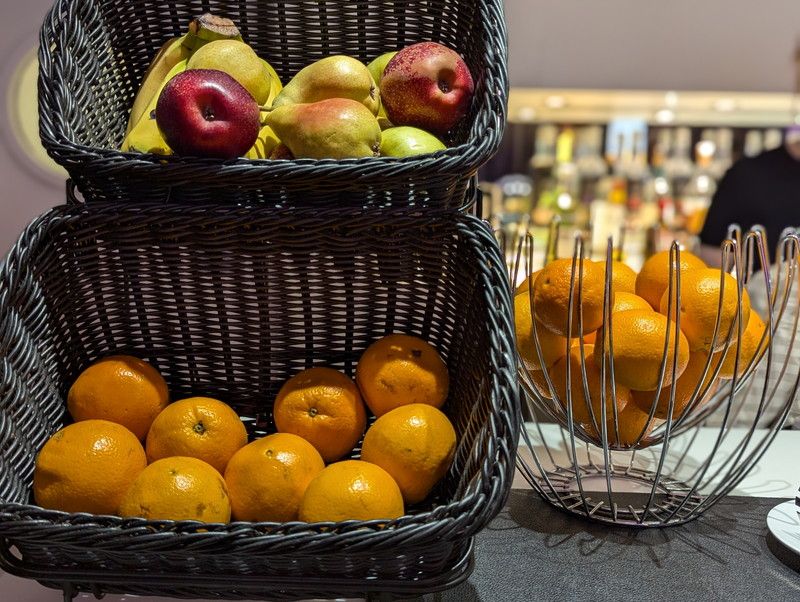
145 136
265 143
171 53
202 30
276 85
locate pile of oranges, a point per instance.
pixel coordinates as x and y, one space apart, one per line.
641 332
196 462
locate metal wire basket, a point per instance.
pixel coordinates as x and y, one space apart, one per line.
673 473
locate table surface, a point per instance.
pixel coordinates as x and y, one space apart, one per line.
532 550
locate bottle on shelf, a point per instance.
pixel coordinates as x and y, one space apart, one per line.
696 195
723 159
607 213
753 143
679 167
773 138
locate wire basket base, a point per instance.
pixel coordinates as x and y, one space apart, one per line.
584 494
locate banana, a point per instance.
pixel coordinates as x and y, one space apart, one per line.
276 85
202 30
266 142
145 137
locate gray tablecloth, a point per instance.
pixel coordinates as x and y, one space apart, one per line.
533 552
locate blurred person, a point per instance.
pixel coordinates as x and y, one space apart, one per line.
763 190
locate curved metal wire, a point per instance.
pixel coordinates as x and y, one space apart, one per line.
675 471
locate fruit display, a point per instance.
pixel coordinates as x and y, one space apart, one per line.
208 94
700 347
197 464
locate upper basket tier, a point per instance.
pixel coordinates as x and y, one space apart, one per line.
94 54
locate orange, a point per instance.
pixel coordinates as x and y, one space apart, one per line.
551 294
581 409
400 369
684 389
626 301
198 427
415 444
552 345
653 278
638 337
631 423
267 478
623 278
87 467
700 304
178 488
622 302
324 407
351 490
122 389
525 285
750 346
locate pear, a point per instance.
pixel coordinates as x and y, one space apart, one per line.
264 145
239 61
335 128
376 69
332 77
378 66
409 141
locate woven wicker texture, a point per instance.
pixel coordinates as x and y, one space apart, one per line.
94 52
230 302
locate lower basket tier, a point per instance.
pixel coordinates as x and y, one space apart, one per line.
248 578
230 303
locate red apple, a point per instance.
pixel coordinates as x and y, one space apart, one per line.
207 113
428 86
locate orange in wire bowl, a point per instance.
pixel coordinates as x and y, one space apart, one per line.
639 338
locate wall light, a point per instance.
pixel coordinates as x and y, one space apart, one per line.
665 116
555 101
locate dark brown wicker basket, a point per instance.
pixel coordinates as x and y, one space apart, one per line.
230 302
94 52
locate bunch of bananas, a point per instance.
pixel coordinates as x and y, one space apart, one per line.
142 134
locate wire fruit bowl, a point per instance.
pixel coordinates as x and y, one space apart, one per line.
683 459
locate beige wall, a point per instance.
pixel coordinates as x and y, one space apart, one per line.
28 186
658 44
736 45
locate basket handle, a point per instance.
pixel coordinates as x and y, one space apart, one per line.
72 194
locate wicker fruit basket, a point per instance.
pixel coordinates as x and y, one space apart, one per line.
94 53
230 302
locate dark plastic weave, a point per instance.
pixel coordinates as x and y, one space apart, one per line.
94 52
230 302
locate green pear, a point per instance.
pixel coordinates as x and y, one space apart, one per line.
407 141
378 66
376 69
239 61
332 77
335 128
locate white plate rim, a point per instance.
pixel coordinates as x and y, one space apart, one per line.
783 522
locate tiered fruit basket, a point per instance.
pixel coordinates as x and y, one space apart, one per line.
232 302
94 52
